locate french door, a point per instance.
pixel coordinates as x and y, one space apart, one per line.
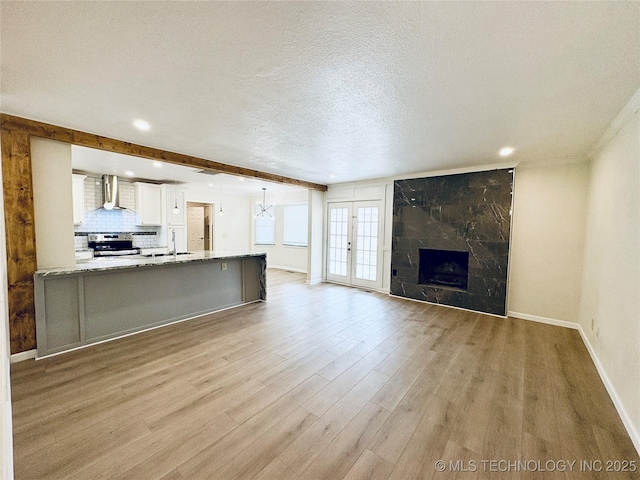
353 254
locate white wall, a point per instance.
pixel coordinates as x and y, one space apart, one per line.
232 231
315 270
280 255
6 433
611 280
53 203
548 225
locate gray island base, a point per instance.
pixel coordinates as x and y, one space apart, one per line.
108 298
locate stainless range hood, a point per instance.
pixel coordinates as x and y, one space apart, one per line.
110 193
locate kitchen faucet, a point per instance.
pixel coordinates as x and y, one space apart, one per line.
173 240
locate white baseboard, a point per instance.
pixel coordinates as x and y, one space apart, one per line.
613 394
615 398
20 357
315 281
291 269
548 321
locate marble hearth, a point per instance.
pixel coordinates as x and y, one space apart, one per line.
451 239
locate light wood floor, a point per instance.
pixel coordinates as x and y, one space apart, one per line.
320 382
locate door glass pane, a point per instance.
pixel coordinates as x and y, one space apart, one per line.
338 241
367 243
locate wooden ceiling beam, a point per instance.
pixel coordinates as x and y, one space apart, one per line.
62 134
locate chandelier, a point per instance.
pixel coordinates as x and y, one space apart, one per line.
264 208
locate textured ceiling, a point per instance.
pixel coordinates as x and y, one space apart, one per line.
359 90
98 162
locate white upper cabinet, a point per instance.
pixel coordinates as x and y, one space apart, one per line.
176 197
77 190
148 204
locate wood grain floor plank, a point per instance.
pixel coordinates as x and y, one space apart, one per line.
342 363
301 453
301 373
336 460
209 460
335 390
396 432
534 448
399 384
276 470
282 369
155 455
203 404
71 454
461 463
265 397
369 466
417 461
259 454
470 430
172 475
393 362
539 410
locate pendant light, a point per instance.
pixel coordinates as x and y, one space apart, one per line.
175 210
220 212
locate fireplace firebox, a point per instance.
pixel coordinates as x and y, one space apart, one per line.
444 268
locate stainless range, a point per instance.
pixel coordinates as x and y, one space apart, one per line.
112 244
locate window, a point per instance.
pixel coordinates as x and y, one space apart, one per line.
296 225
265 231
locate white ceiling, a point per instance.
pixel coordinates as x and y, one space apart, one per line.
100 162
308 89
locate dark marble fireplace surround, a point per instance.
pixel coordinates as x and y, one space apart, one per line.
469 213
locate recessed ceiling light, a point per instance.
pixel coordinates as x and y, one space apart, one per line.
142 125
332 175
241 179
506 151
129 173
210 184
157 164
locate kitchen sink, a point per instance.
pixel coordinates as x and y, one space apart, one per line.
164 254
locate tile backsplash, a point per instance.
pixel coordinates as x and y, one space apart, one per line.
97 219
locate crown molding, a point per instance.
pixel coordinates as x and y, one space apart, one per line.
552 162
623 117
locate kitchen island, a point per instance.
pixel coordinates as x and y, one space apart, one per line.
106 298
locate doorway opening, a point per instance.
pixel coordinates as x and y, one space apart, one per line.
200 224
354 233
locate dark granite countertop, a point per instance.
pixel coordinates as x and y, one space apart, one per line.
135 261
